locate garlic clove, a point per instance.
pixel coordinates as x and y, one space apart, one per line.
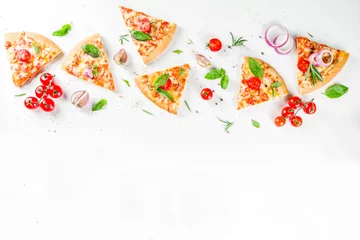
121 57
202 60
80 98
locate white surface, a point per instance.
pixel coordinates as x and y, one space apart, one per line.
122 174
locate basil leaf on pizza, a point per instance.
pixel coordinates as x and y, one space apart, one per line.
256 68
91 50
273 86
36 47
63 31
95 70
160 81
336 91
165 93
181 72
140 36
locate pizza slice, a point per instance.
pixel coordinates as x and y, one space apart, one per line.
28 53
165 88
88 61
260 83
317 64
150 35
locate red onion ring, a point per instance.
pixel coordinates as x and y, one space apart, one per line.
281 50
312 60
271 42
317 58
89 73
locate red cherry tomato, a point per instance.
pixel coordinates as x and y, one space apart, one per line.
295 102
206 94
23 55
167 85
145 25
45 78
310 108
41 91
280 121
296 121
303 65
214 44
254 83
47 105
55 91
287 112
31 103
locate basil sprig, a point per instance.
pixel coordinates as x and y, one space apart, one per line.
91 50
336 91
63 31
273 86
256 68
219 73
140 36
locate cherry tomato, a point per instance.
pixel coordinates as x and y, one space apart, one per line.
295 102
254 83
287 112
296 121
167 85
310 108
214 44
45 78
303 65
55 91
31 103
23 55
145 25
280 121
47 105
41 91
206 94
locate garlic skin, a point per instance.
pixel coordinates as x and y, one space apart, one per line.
202 60
121 57
80 98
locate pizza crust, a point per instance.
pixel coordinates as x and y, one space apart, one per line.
341 61
161 47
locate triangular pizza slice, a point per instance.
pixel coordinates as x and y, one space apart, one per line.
260 83
28 53
165 88
317 64
150 35
88 61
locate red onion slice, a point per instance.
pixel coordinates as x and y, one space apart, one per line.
320 55
288 47
273 32
89 73
313 60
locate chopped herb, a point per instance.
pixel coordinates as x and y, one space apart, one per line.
190 42
145 111
20 95
187 105
127 82
178 52
99 105
255 123
228 124
310 35
181 72
36 47
237 42
95 70
273 86
123 38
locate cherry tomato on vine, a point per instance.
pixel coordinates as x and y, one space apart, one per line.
280 121
206 94
31 103
303 65
23 55
41 91
167 85
45 78
310 108
296 121
145 25
295 102
47 105
254 83
214 45
55 91
287 112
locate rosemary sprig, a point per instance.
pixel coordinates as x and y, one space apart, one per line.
123 38
228 124
315 75
237 42
190 42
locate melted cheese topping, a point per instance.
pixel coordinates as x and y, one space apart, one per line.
22 72
82 64
158 29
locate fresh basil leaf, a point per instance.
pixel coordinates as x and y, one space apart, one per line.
140 36
224 82
214 74
178 52
160 81
36 47
181 72
187 105
91 50
95 70
99 105
255 123
145 111
165 93
20 95
127 82
63 31
273 86
336 91
256 68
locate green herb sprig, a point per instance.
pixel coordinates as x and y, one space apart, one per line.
123 39
237 42
228 124
315 75
219 73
